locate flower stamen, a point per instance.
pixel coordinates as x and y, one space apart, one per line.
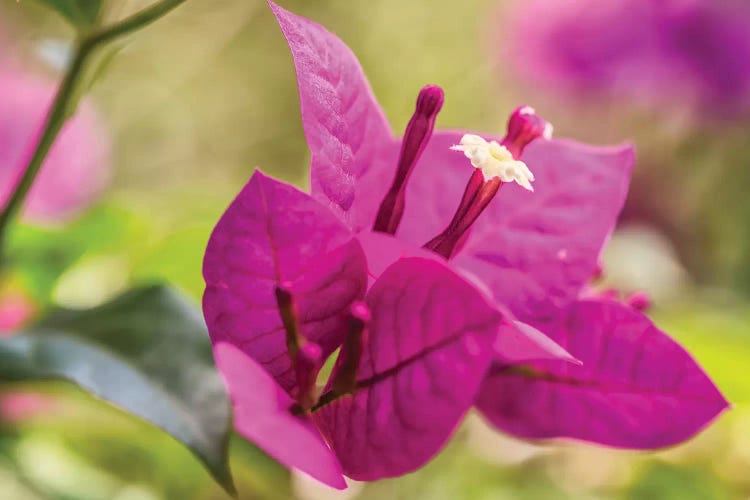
495 164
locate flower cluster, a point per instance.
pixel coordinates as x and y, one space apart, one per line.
441 291
687 53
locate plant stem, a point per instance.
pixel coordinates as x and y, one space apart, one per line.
134 22
58 113
53 123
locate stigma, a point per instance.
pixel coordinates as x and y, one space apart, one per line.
495 161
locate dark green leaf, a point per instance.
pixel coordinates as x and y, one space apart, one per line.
80 13
147 352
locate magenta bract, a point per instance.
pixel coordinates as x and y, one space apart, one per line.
262 415
429 348
274 234
635 388
334 95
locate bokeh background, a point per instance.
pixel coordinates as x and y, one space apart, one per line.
191 105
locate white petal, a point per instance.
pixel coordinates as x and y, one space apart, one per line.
494 160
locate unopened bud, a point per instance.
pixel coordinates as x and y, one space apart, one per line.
307 364
639 301
345 378
417 135
524 125
288 312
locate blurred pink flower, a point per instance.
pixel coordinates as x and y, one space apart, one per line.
77 167
18 406
695 53
15 310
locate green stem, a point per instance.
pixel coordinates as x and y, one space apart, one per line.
58 113
134 22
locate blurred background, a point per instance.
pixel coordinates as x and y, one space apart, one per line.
178 117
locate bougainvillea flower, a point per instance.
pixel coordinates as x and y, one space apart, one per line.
77 167
692 53
425 286
533 246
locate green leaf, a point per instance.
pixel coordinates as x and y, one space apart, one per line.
40 255
80 13
146 352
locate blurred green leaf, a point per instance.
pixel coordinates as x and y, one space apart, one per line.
177 258
147 352
666 482
80 13
40 255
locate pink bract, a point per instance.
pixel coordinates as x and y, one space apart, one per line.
429 347
345 127
273 234
78 165
261 415
621 395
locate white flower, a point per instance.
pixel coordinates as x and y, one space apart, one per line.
494 160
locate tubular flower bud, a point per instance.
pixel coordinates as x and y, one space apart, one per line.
416 137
